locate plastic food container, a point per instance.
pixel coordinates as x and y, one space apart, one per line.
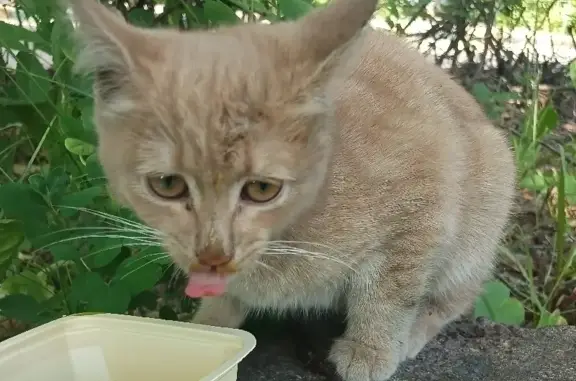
110 347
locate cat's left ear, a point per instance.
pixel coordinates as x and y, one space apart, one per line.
112 49
325 34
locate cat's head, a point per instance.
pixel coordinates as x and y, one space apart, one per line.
220 138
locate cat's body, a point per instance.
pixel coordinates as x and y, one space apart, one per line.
393 187
419 191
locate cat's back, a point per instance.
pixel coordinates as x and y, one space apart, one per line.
393 76
414 137
394 99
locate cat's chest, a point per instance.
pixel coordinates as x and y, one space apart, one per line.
289 290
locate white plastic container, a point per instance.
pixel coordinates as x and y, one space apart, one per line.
108 347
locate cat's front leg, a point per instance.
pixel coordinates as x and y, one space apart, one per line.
381 311
221 311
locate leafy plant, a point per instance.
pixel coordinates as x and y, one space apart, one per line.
497 305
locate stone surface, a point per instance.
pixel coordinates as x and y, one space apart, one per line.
466 351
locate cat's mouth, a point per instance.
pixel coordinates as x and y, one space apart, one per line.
208 281
201 285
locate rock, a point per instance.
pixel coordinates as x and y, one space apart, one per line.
289 350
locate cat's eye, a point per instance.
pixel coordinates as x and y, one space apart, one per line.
259 191
170 187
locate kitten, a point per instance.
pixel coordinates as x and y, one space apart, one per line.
302 164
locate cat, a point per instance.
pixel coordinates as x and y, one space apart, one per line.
302 165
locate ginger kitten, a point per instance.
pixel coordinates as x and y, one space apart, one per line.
303 164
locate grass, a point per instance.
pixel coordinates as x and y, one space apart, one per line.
539 258
66 247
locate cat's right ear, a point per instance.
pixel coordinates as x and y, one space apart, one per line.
327 29
320 39
109 47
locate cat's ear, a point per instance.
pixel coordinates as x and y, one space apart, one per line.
325 30
326 33
109 47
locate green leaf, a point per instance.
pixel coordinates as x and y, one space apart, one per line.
547 121
94 169
32 83
114 300
141 17
145 299
20 307
548 319
572 72
570 189
393 8
293 9
219 13
88 117
12 36
74 128
28 283
78 147
536 182
66 251
20 202
138 274
37 182
482 93
497 305
57 180
42 9
11 237
81 199
254 6
81 85
90 293
8 116
103 252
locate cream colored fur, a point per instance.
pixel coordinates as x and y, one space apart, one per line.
397 186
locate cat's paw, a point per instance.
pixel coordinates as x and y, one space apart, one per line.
358 362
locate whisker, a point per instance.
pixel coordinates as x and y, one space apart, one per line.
146 256
144 265
287 244
114 218
175 275
96 228
308 254
114 247
268 267
252 249
151 243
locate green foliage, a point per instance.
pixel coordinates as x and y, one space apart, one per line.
497 305
552 15
492 101
572 72
542 170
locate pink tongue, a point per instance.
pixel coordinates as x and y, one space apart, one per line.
202 285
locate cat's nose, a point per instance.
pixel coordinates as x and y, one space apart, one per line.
212 256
